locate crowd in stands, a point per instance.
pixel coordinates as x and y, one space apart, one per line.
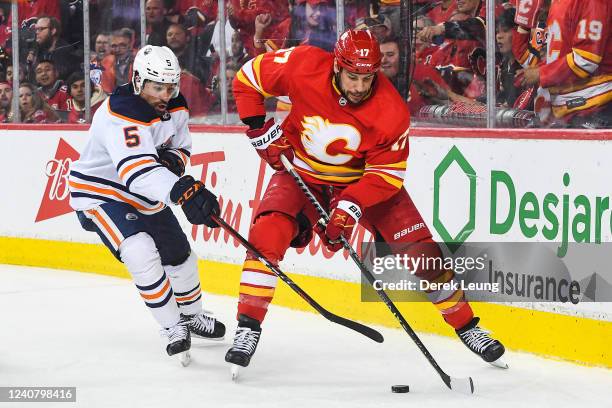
447 66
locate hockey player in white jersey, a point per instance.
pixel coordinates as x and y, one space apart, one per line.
130 170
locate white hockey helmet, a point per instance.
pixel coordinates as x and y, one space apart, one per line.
157 64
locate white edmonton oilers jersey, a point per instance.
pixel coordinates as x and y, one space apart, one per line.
119 162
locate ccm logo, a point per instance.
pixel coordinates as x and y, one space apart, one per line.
408 230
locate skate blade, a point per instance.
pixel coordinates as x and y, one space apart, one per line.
499 363
193 335
235 370
184 358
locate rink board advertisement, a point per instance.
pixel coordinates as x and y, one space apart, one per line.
467 189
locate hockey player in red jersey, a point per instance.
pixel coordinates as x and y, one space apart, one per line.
347 135
576 75
131 169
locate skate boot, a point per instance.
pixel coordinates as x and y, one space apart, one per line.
179 342
204 326
479 342
245 343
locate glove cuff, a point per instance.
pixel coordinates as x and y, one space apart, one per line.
351 208
262 142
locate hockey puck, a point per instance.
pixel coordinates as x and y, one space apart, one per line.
400 388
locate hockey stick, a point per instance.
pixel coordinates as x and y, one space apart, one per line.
463 385
358 327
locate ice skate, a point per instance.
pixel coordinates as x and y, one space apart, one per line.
204 326
179 342
479 342
245 344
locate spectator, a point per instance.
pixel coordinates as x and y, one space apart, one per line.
390 9
354 10
423 50
72 23
390 63
52 89
199 98
33 107
9 73
472 27
76 103
6 100
30 11
49 46
576 78
102 45
239 56
5 29
179 41
380 26
157 23
507 91
274 22
443 11
313 23
118 65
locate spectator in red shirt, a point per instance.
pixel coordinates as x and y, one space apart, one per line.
443 11
33 107
274 18
52 89
423 50
6 99
5 29
76 103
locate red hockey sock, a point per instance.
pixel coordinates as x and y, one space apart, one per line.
271 234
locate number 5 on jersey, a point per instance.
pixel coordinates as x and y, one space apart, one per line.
131 136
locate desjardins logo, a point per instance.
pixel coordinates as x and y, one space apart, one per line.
543 216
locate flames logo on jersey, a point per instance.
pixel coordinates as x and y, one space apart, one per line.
318 134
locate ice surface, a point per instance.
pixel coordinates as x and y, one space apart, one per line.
63 328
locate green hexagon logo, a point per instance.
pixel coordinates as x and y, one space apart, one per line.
455 156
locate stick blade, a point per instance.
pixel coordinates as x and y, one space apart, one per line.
462 385
358 327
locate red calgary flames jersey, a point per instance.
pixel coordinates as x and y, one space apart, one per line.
578 69
362 146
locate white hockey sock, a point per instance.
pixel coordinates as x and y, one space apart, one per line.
186 284
140 256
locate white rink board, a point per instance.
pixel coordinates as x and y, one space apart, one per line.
234 173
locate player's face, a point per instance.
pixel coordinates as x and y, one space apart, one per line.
6 94
157 95
355 86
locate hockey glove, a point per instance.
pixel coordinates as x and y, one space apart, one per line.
341 223
527 12
270 144
171 161
196 201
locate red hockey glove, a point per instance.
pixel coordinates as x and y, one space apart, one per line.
270 144
527 13
341 223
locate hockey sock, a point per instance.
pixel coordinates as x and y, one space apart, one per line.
140 256
452 304
271 234
186 284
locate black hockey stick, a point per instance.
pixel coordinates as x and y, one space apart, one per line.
463 385
358 327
